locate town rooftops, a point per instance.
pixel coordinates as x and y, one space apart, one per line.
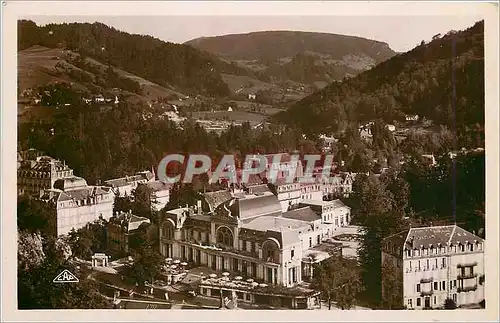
77 194
303 214
127 180
129 221
425 237
44 164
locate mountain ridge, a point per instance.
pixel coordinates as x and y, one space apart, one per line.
277 54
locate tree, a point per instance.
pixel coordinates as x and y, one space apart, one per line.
374 208
37 291
35 215
88 240
392 287
337 279
122 203
143 201
450 304
147 265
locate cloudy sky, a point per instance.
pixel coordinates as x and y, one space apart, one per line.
402 33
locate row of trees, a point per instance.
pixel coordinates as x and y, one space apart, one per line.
101 145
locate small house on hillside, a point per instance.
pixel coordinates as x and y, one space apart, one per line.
412 117
391 127
229 109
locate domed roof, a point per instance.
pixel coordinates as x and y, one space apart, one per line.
70 183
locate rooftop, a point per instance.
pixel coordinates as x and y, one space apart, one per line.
124 181
276 224
302 214
433 236
251 206
335 203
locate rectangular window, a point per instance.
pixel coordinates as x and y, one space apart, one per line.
443 285
436 265
235 264
292 253
443 262
435 285
410 302
418 288
455 283
318 239
435 300
310 242
418 301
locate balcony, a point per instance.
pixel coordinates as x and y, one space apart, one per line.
470 264
427 293
466 276
427 280
467 289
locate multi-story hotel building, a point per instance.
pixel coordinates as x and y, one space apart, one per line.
436 263
77 203
40 173
248 234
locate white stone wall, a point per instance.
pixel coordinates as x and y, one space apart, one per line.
72 216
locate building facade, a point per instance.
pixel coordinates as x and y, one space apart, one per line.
77 203
311 191
436 263
40 173
249 235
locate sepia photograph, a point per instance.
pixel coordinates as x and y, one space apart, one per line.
321 163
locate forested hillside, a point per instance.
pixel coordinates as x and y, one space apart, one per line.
167 64
305 57
417 82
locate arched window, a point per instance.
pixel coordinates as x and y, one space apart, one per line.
225 236
168 230
270 251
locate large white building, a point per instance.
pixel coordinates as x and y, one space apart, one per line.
436 263
77 204
248 234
